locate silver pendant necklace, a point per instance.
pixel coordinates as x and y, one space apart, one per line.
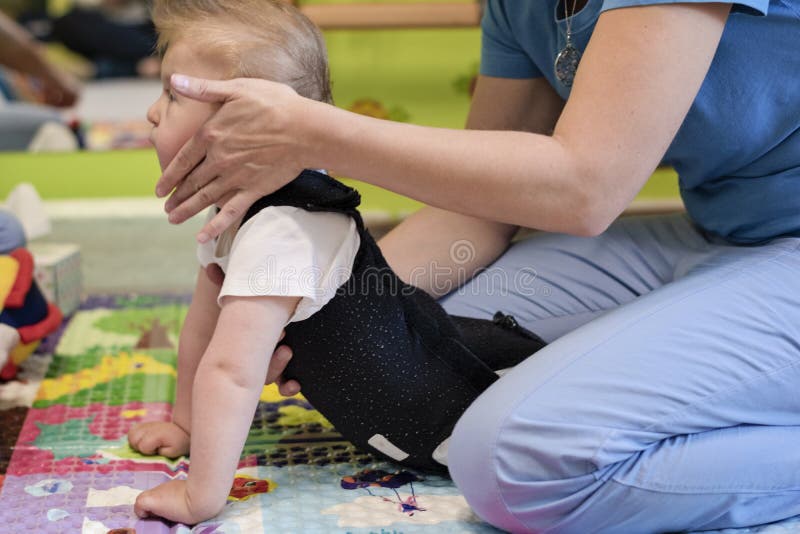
567 60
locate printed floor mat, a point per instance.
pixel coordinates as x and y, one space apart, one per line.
114 365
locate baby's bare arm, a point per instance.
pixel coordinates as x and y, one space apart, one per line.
172 438
226 389
198 327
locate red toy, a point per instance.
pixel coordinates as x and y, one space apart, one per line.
25 317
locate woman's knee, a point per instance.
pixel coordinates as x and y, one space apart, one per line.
511 468
473 464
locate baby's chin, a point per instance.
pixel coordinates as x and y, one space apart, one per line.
163 161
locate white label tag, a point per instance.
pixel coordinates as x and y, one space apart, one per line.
380 442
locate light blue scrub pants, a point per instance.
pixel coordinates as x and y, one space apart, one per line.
669 398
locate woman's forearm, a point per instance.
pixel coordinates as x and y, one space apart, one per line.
19 50
521 178
438 251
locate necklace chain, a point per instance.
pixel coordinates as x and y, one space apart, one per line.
567 60
568 17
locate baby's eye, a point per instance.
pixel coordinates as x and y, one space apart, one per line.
171 96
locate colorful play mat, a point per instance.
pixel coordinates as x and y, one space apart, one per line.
113 365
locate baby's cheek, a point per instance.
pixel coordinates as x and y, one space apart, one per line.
166 151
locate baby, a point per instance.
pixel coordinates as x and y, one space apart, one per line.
379 358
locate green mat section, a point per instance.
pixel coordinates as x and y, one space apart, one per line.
126 173
133 173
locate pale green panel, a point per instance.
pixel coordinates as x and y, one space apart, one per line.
419 72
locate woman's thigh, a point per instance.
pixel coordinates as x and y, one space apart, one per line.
553 283
718 348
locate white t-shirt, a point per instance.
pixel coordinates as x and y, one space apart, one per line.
286 251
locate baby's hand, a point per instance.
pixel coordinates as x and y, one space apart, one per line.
164 438
171 501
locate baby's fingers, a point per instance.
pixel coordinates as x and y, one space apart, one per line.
172 451
146 505
135 435
145 441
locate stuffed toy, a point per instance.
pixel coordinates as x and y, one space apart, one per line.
25 315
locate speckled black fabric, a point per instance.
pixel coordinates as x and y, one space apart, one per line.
382 357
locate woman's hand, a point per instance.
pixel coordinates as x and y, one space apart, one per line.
280 358
253 145
59 88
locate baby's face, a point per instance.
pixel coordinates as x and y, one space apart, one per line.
175 118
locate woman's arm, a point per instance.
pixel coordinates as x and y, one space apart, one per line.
638 77
226 389
438 250
20 51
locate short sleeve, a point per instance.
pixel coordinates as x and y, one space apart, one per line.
752 7
501 54
290 252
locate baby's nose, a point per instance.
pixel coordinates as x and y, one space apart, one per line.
152 115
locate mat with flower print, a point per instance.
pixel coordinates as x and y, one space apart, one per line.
112 365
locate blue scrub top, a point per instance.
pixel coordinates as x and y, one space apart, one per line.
738 151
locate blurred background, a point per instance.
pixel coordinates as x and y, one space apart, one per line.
72 120
89 159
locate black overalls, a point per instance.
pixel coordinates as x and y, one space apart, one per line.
382 360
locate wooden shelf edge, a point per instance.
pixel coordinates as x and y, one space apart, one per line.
394 16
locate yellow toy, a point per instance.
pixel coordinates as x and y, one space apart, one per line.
25 317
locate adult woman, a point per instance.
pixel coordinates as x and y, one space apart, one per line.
21 124
667 395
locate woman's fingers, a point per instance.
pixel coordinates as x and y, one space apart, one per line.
184 162
205 90
288 388
229 212
190 197
243 151
195 181
194 151
280 358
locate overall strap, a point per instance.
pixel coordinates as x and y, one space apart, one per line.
312 191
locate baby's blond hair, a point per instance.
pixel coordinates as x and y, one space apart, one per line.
266 39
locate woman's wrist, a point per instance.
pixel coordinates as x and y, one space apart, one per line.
326 134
